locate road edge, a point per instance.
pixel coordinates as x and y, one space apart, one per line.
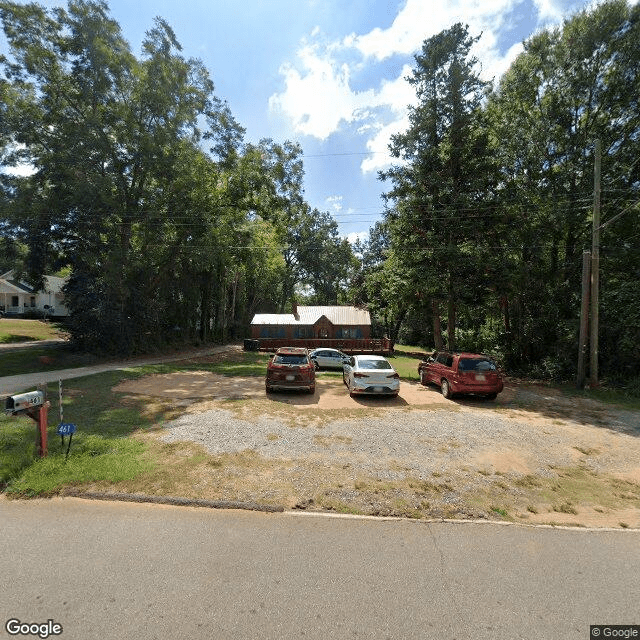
270 508
171 500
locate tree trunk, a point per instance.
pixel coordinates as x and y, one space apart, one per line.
437 327
451 318
395 329
233 304
205 306
504 304
223 303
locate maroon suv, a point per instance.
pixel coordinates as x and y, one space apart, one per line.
462 373
291 368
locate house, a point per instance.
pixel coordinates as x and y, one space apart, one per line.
18 298
335 323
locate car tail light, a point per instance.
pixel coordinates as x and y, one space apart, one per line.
394 375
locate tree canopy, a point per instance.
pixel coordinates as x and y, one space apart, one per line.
174 228
491 206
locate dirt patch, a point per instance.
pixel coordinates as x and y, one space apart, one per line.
185 385
330 392
505 461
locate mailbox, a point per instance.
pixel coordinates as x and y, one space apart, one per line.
23 401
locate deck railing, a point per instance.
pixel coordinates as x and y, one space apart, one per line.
380 346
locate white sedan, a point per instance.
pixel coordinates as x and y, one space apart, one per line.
371 375
328 358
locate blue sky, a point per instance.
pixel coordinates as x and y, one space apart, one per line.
330 73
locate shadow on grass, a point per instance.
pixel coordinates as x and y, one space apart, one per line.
17 338
229 364
45 358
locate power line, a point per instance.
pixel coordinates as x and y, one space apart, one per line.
629 208
345 153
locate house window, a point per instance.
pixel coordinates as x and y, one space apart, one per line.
350 332
271 331
323 333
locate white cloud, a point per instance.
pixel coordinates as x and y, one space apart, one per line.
20 170
318 98
355 236
335 202
549 10
419 20
380 159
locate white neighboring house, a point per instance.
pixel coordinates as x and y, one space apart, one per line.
18 298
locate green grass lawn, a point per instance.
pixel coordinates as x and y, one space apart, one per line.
246 363
405 348
627 398
405 365
13 330
102 448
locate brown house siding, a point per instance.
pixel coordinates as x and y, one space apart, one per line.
315 331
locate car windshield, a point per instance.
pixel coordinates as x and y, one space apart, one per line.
290 358
374 364
476 364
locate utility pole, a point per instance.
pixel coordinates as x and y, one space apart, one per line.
584 318
595 268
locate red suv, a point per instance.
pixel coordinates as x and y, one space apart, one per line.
462 373
291 368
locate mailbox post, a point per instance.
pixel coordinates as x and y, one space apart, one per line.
41 417
36 406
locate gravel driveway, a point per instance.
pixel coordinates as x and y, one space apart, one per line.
453 458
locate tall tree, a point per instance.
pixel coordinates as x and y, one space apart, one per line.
107 135
442 186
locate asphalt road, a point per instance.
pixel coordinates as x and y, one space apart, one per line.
129 571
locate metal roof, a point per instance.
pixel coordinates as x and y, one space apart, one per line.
310 315
274 318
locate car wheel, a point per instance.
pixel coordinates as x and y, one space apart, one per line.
491 396
268 389
312 390
445 388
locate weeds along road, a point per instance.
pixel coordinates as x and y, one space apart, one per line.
129 571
